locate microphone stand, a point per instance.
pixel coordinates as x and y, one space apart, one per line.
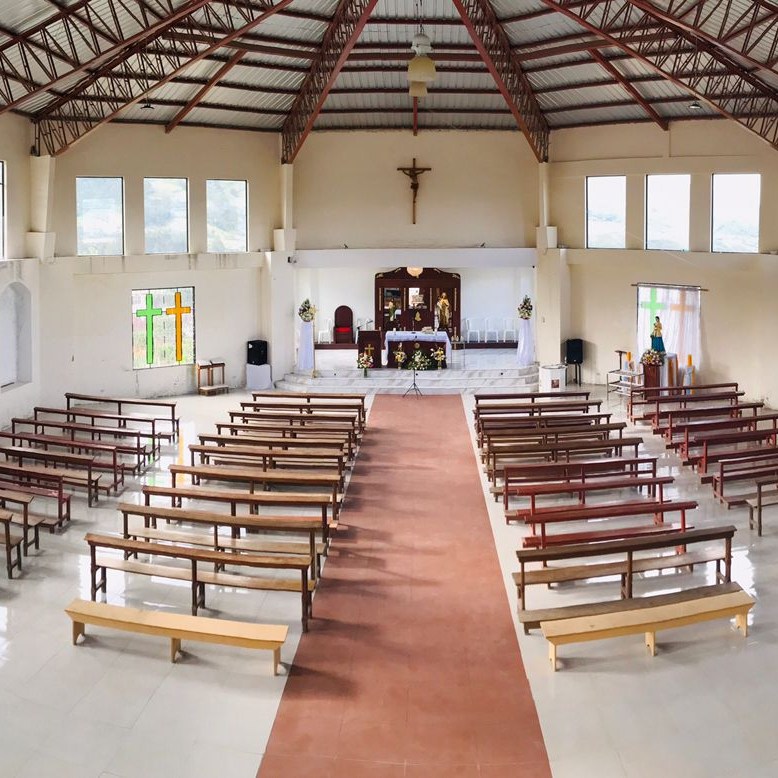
414 387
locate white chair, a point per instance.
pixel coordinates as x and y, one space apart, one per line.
325 336
473 326
490 325
510 329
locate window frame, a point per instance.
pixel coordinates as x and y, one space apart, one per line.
712 211
586 213
3 210
245 183
689 212
187 209
123 215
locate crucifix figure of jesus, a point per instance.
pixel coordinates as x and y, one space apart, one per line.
413 173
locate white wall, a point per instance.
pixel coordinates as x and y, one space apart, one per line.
14 151
483 187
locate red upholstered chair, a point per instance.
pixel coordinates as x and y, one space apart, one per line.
344 324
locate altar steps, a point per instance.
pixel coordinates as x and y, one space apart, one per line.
393 381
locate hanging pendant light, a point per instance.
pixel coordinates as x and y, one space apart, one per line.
417 89
421 69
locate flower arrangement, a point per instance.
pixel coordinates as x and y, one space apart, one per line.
525 309
438 354
652 357
399 357
306 311
364 361
418 361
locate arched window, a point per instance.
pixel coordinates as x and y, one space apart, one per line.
15 335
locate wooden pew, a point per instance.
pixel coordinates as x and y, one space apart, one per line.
581 470
684 400
544 408
253 500
25 519
112 465
655 486
622 510
130 402
749 466
710 441
499 397
57 493
648 615
61 464
325 436
293 525
627 565
73 414
344 409
261 478
766 495
42 481
194 572
178 627
642 394
275 443
312 398
665 423
12 541
565 449
496 428
138 450
270 458
691 430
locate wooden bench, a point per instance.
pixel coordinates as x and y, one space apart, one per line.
131 402
177 627
312 398
62 499
620 510
497 398
515 476
27 520
496 429
648 615
581 489
12 541
252 500
690 431
197 558
42 481
315 419
682 400
285 433
61 464
709 441
255 477
344 409
138 449
626 567
750 466
766 495
293 525
666 422
647 394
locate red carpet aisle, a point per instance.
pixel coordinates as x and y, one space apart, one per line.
412 666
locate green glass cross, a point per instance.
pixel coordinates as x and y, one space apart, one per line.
148 313
653 306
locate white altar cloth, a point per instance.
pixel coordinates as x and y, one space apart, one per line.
422 337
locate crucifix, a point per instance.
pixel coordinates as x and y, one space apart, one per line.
413 173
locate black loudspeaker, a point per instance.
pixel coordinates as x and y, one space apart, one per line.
574 351
256 352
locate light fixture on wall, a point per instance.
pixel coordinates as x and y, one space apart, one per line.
421 69
415 271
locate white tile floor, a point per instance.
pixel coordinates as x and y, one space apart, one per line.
115 706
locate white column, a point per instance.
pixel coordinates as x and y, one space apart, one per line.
40 239
545 235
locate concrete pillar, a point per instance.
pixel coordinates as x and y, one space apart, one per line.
700 197
552 295
545 234
40 240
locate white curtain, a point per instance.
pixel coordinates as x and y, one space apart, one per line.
525 353
305 353
678 308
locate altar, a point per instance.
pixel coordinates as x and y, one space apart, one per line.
432 338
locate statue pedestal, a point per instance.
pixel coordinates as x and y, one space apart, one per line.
651 375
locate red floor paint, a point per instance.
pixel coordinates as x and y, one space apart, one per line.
411 666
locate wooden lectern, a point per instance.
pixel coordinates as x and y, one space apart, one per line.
367 338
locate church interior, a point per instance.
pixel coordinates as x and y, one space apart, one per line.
420 347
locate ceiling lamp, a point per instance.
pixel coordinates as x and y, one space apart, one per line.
695 106
417 89
415 271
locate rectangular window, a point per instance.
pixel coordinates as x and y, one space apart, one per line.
163 327
667 212
735 222
2 210
166 214
606 212
99 216
227 215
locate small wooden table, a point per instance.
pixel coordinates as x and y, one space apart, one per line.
205 378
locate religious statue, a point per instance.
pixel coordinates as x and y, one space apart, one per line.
393 312
657 343
443 311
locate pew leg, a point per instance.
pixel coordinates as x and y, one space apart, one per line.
276 660
741 622
552 655
175 648
78 629
651 643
